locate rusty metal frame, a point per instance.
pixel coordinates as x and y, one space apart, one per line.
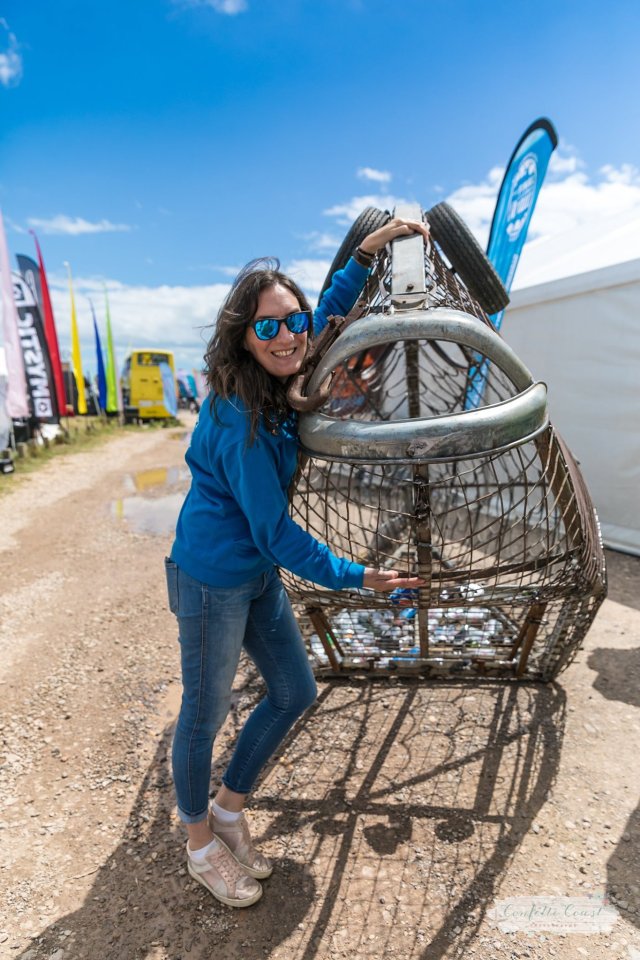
502 528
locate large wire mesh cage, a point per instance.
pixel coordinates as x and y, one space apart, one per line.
431 452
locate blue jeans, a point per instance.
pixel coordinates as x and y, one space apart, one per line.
215 623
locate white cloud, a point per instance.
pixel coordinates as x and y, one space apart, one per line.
569 198
15 227
577 201
627 174
310 274
347 212
228 7
227 270
177 318
475 202
10 59
74 226
559 164
369 173
319 241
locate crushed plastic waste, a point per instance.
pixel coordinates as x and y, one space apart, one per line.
403 595
392 635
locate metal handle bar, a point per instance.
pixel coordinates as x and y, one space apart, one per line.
468 434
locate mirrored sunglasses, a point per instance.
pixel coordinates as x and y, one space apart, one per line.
267 328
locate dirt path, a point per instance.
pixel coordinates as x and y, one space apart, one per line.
398 812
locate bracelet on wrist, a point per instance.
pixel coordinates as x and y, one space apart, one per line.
363 258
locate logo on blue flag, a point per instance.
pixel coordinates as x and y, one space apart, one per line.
522 196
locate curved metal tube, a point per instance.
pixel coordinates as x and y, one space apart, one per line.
470 433
456 436
438 324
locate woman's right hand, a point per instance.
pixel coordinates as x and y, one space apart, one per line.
388 580
398 227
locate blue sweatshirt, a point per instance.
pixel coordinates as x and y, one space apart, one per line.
235 523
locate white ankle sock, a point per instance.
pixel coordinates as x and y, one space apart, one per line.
225 816
199 855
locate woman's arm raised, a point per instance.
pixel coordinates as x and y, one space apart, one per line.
392 230
346 284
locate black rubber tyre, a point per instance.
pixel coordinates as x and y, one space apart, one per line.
369 220
467 258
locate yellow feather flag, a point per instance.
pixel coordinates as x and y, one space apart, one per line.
76 356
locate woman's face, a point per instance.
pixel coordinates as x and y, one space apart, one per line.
281 357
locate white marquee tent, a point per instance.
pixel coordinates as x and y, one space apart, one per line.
574 319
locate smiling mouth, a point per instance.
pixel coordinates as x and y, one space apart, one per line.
283 354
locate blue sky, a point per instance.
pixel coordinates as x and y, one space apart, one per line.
158 145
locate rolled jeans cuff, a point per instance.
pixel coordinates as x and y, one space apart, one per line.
192 818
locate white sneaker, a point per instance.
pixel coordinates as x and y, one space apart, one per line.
237 839
224 877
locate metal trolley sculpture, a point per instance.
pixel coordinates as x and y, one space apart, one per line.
426 446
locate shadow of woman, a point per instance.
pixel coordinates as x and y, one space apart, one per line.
143 905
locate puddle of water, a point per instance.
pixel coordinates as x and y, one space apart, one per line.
144 481
155 499
157 515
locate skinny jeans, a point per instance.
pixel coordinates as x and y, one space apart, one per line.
215 624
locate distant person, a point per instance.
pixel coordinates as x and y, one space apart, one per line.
233 533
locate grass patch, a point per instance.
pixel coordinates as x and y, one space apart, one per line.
81 434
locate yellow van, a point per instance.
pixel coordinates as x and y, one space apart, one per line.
145 394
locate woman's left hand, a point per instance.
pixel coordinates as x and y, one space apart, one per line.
391 231
388 580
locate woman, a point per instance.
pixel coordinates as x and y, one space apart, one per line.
233 532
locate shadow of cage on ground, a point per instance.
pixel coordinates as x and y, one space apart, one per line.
618 679
393 811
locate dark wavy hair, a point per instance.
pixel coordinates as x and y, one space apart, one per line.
229 367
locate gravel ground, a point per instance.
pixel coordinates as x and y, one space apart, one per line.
399 813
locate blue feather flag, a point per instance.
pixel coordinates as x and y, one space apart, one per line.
514 208
102 376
